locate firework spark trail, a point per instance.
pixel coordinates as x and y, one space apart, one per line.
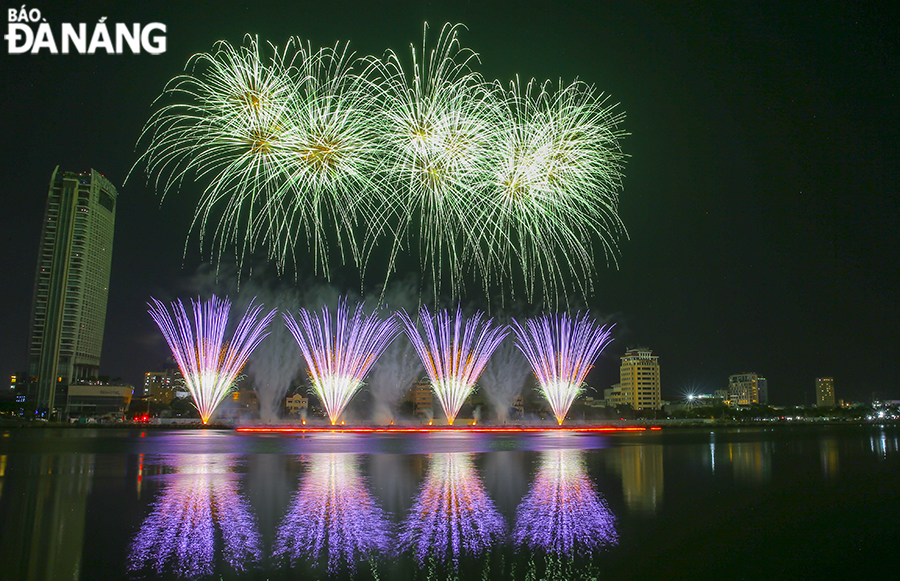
453 515
225 125
563 513
209 364
180 532
339 351
439 122
453 354
333 515
561 351
554 188
334 155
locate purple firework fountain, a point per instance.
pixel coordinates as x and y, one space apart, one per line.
340 350
454 352
208 362
561 351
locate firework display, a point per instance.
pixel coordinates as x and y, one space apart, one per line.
554 187
561 351
317 148
440 119
563 513
333 517
340 350
453 515
209 363
200 509
454 351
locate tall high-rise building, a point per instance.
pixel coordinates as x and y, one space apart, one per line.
639 381
763 389
71 284
747 389
825 392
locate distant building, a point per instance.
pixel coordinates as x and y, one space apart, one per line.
242 404
95 399
763 388
639 381
296 402
743 389
160 387
71 284
825 392
519 406
15 385
422 398
610 395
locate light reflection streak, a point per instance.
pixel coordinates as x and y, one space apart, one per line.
881 446
453 515
334 516
563 514
829 455
201 503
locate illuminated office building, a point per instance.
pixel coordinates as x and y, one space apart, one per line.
825 392
639 381
71 283
747 389
162 386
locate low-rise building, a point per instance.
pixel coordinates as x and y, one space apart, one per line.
296 403
422 398
160 387
95 400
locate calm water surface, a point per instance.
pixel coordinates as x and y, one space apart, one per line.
806 502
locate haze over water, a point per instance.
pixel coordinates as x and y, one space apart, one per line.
757 503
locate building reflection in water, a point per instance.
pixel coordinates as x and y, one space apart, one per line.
881 445
332 517
751 461
830 457
42 531
452 515
563 513
641 469
180 534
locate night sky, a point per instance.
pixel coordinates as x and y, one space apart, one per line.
760 195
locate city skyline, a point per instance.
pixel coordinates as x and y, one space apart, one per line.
757 194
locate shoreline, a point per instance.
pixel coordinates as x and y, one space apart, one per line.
598 427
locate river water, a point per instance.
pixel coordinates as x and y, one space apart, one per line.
788 502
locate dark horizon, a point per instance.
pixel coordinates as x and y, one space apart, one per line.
760 191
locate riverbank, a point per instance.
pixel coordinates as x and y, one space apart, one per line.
618 425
